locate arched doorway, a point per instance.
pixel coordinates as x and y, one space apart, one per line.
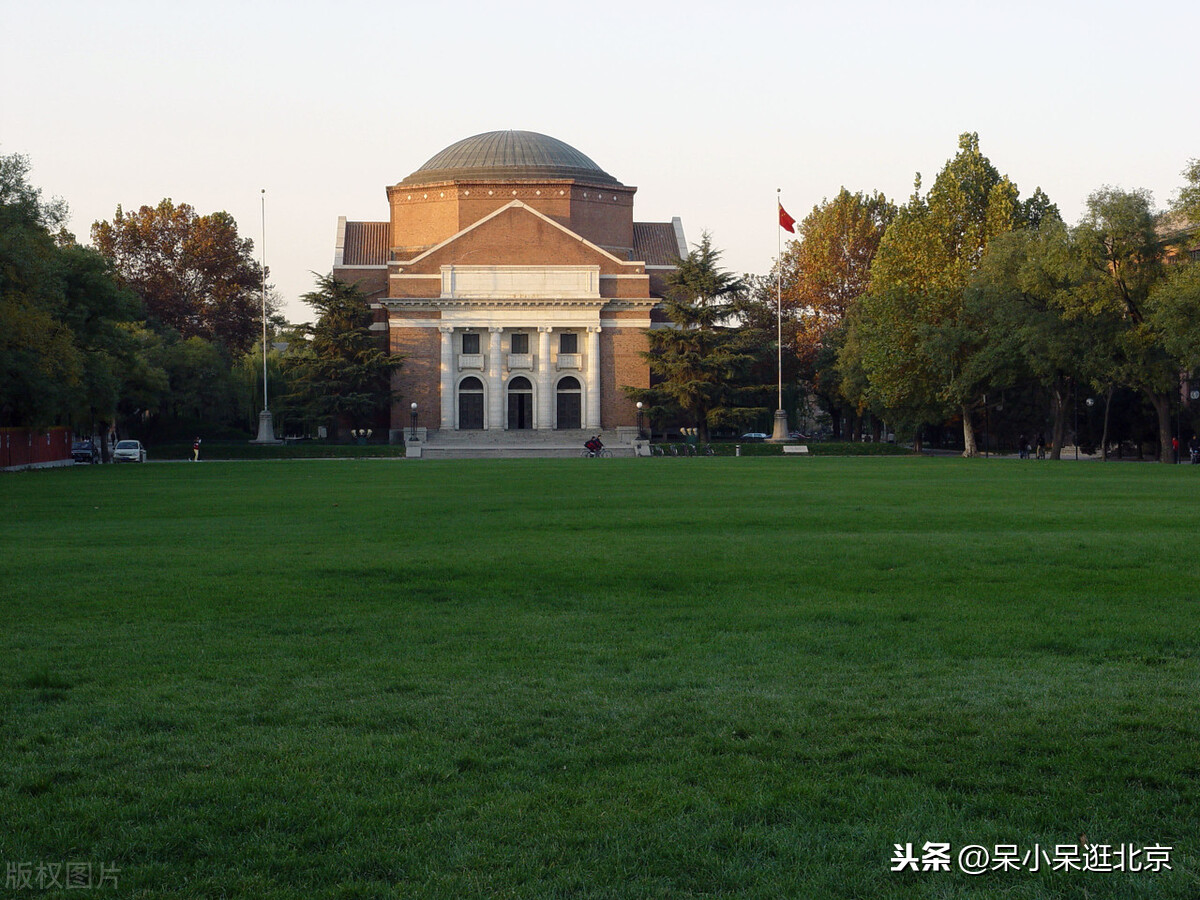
570 404
470 404
520 404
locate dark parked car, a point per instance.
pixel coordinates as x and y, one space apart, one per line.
85 452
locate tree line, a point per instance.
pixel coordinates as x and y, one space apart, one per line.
156 329
965 307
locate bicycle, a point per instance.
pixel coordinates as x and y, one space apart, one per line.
594 448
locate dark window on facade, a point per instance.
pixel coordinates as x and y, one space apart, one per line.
520 343
470 343
568 342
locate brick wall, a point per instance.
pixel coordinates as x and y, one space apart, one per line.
372 282
425 215
419 378
621 363
518 237
604 217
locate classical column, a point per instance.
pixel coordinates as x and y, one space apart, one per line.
593 378
447 376
545 383
497 421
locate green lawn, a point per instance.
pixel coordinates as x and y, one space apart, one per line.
597 678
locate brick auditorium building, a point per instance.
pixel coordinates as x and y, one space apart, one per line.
514 281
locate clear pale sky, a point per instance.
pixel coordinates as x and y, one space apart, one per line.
706 107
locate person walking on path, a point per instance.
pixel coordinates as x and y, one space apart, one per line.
196 450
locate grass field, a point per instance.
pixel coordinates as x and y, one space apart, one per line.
597 678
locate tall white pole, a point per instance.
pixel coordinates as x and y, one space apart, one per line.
779 297
266 429
263 253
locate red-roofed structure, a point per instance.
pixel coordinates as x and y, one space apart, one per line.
513 280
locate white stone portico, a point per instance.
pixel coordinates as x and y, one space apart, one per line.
552 318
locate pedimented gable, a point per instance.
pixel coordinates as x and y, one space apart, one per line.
517 235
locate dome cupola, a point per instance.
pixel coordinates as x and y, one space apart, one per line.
509 156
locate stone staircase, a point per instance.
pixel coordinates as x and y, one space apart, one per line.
519 444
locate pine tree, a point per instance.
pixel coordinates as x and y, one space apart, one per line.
343 372
699 365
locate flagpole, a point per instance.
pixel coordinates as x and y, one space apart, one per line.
779 301
780 431
266 428
263 253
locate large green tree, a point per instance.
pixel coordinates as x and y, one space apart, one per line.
918 346
194 272
62 347
201 383
342 374
1118 263
1016 298
700 365
1174 313
145 382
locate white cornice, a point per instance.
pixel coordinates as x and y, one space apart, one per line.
432 303
490 303
633 303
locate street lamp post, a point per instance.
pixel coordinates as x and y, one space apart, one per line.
640 419
1177 452
1193 395
412 431
1090 402
1075 401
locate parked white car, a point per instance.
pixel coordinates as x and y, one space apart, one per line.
129 451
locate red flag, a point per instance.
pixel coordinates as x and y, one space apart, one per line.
786 222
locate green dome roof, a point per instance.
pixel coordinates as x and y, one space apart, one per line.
509 156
